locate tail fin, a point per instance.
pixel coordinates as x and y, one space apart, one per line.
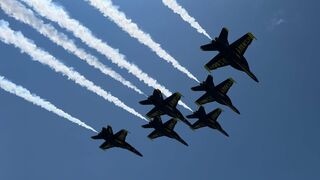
202 86
197 114
209 81
155 95
223 37
104 133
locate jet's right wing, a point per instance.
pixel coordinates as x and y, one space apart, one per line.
215 113
216 62
154 113
243 43
170 124
106 145
121 135
173 100
155 134
225 85
206 98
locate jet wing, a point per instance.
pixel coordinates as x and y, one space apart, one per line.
215 113
173 100
206 98
155 134
121 135
225 85
154 113
242 43
216 62
170 124
106 145
198 124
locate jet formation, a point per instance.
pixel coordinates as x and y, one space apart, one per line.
229 54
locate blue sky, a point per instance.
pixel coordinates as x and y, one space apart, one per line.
275 137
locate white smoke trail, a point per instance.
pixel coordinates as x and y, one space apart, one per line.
25 94
178 9
110 11
57 14
18 11
17 39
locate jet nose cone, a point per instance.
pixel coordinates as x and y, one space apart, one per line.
224 132
234 109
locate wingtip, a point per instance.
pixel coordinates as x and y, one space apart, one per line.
234 81
226 29
207 68
252 36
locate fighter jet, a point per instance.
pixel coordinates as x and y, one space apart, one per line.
165 129
164 106
230 54
215 93
209 120
115 140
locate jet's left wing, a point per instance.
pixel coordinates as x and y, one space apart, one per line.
242 43
225 85
206 98
155 134
154 113
106 145
216 62
173 100
121 135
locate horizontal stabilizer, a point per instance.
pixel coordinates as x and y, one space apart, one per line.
97 137
198 88
147 126
209 47
146 102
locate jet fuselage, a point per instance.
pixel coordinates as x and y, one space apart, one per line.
218 96
164 130
170 111
236 60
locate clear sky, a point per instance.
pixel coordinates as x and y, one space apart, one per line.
275 137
